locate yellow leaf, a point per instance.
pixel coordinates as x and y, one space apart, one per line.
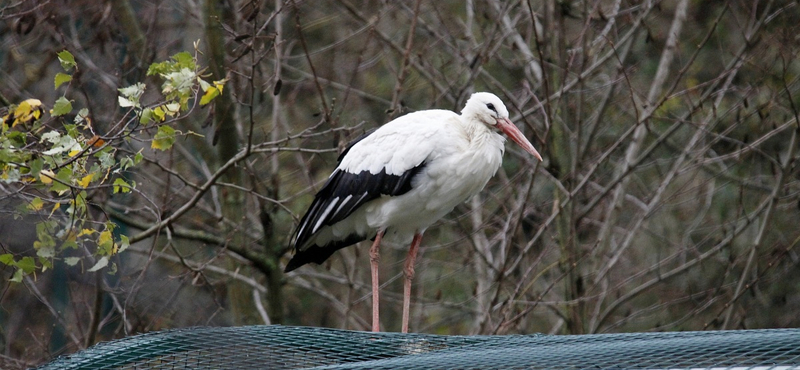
106 245
27 110
23 109
219 84
55 207
86 180
162 140
74 152
36 204
104 237
46 177
159 113
86 232
211 93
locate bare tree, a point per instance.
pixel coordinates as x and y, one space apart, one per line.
667 199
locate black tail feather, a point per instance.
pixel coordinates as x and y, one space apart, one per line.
318 255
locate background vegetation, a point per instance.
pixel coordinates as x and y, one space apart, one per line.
669 198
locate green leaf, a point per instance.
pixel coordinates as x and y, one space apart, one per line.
47 263
63 178
51 136
7 259
178 84
36 167
172 108
160 114
10 175
67 60
17 278
184 60
178 62
27 264
124 164
164 138
72 261
129 96
121 186
72 130
133 91
146 116
126 103
106 159
45 240
204 85
62 78
46 252
79 202
69 244
124 243
61 107
63 143
36 204
102 262
157 68
17 138
83 116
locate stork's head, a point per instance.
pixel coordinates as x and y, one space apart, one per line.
488 109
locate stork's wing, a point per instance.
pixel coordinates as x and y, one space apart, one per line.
345 192
380 163
350 187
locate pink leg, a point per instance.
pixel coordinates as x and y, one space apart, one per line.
374 257
408 271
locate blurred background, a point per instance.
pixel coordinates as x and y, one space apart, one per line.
668 200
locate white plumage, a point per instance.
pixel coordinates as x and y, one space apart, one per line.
403 177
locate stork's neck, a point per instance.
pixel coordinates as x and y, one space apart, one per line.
476 130
481 137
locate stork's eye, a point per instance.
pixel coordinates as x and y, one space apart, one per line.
491 107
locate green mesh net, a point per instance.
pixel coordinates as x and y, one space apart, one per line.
283 347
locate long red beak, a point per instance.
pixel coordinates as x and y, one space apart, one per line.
516 136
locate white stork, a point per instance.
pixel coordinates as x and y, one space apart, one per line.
398 180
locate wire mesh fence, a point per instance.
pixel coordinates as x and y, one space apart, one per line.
285 347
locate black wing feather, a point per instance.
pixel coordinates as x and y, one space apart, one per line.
343 194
